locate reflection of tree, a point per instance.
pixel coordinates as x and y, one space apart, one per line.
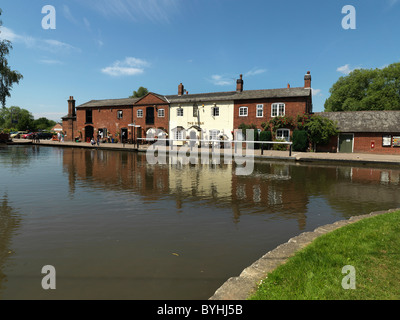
9 222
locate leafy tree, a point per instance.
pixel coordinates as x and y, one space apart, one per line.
366 89
300 140
44 123
18 118
320 129
7 76
141 92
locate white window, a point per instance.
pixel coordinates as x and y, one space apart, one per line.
215 111
139 113
214 134
195 110
178 134
119 114
161 113
283 134
277 109
243 112
179 112
260 110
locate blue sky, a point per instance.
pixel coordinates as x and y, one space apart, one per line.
104 49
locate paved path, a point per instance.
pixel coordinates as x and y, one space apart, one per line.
267 155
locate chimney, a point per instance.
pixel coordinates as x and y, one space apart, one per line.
71 106
180 89
239 84
288 86
307 80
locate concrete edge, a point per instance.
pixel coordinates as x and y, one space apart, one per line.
241 287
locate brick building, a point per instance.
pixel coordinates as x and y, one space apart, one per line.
364 131
205 115
260 106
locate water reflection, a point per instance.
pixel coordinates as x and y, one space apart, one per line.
110 222
9 223
276 188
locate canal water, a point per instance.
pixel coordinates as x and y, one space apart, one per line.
115 227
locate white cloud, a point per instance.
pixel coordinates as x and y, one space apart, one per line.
153 10
50 61
129 67
346 69
51 45
255 72
68 15
219 80
316 92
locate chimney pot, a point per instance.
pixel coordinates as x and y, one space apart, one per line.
288 85
239 84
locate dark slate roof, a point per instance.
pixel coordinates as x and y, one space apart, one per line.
109 103
205 97
244 95
365 121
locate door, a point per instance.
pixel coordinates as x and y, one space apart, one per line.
150 115
346 143
124 135
88 133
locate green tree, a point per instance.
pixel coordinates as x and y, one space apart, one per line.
141 92
320 129
44 123
7 76
366 89
16 117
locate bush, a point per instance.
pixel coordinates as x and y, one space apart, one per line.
280 147
300 140
266 136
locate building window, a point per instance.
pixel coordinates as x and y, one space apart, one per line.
243 112
139 113
195 111
214 134
178 135
283 134
161 113
179 112
277 109
215 111
119 114
260 110
89 116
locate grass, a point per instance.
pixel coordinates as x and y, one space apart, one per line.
371 246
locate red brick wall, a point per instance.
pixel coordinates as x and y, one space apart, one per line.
363 141
104 117
293 107
362 144
151 101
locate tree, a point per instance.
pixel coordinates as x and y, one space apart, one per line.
140 93
16 117
44 123
7 76
320 129
366 89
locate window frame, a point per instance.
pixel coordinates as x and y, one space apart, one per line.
283 136
120 114
163 113
141 113
243 108
258 109
179 112
277 106
215 111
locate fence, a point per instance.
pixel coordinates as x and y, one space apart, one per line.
212 143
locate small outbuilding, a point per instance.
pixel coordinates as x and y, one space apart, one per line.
364 132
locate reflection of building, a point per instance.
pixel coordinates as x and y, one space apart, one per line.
270 190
